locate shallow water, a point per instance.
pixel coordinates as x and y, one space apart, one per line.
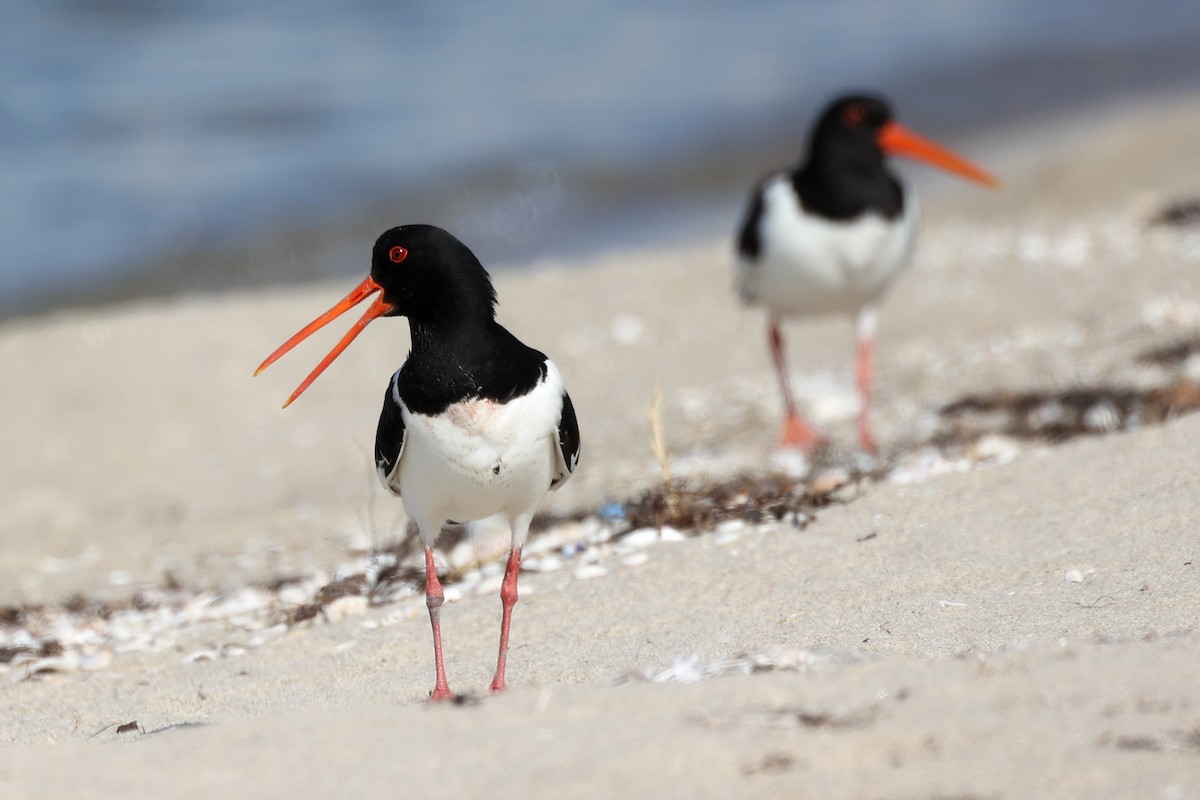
144 145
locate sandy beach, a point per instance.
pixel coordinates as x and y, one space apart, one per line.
996 608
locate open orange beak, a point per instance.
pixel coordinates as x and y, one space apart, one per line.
897 140
361 292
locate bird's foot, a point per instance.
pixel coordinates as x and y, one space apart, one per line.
441 692
866 441
799 436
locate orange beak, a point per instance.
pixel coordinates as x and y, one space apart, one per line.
361 292
897 140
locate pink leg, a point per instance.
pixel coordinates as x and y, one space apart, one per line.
866 352
796 432
434 599
508 598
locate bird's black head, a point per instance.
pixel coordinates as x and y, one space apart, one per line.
848 133
857 132
429 276
418 271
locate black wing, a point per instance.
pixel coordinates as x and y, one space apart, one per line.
389 436
749 244
567 455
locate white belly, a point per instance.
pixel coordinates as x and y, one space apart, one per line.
479 458
810 266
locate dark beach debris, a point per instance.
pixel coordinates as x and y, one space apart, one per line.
769 763
1172 354
355 585
1144 743
379 587
858 718
391 579
146 598
175 726
129 727
7 654
1175 740
693 506
1058 416
343 587
280 582
1178 213
466 700
48 648
85 607
788 716
1103 601
302 613
393 568
546 520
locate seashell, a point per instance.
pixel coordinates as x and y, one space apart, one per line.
729 537
351 605
995 448
668 534
546 563
200 655
489 585
587 571
637 539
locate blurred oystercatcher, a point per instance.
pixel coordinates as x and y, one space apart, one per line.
474 423
831 234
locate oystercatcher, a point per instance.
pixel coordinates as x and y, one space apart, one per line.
830 235
474 423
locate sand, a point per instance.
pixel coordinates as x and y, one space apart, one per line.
1002 618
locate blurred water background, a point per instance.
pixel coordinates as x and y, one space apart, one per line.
151 148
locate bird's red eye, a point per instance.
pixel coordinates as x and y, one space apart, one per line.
397 254
854 115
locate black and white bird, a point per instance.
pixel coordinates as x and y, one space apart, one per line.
831 234
475 423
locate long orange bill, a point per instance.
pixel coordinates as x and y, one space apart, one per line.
895 139
361 292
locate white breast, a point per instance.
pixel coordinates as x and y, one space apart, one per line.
480 457
812 266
